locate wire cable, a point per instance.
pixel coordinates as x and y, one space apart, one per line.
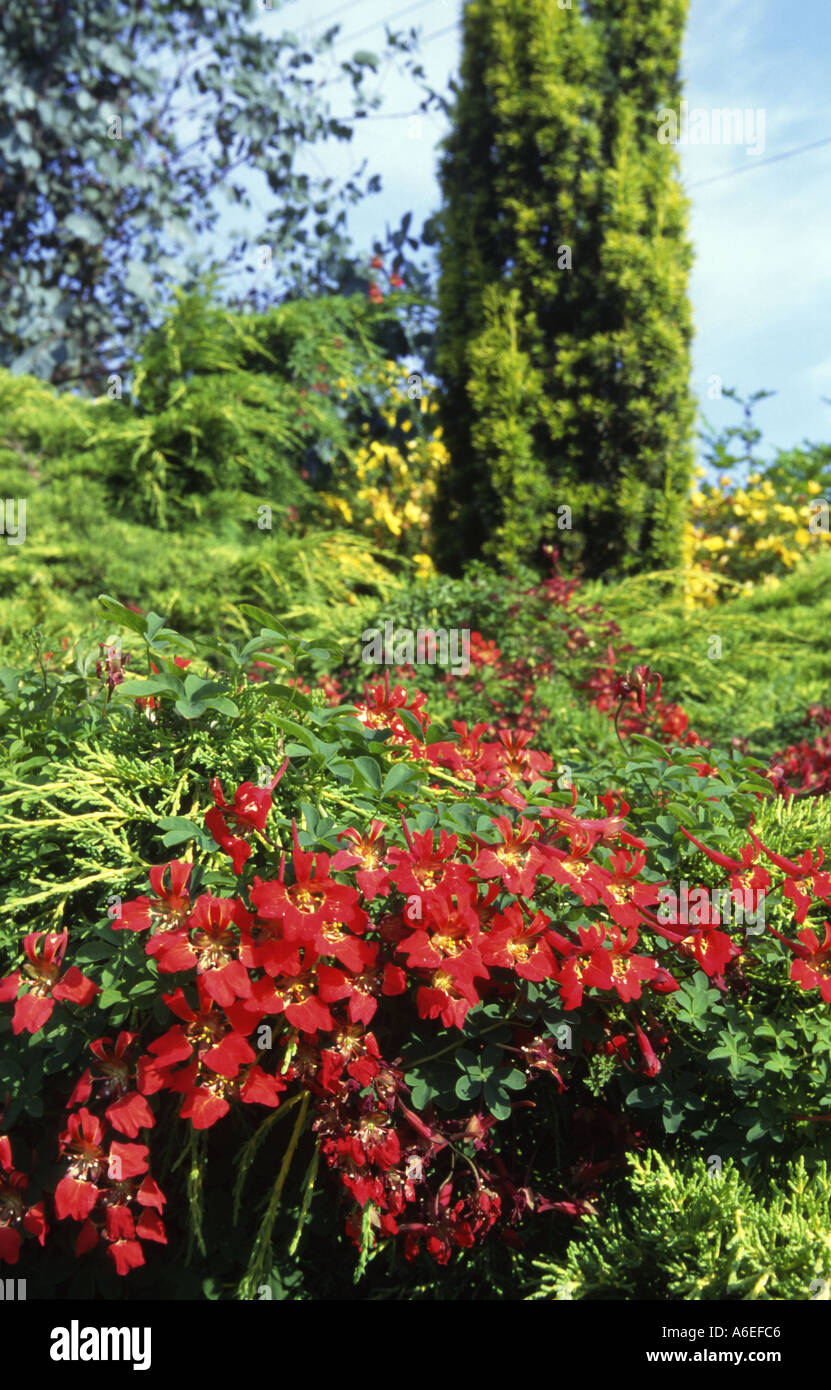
757 163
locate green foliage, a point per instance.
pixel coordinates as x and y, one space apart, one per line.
695 1231
564 330
198 473
773 661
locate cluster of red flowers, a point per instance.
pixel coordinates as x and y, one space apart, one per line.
105 1185
44 983
15 1216
375 294
283 982
642 710
804 768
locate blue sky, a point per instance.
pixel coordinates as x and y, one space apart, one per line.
761 286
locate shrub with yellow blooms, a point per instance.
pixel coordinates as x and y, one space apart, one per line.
753 533
385 491
751 523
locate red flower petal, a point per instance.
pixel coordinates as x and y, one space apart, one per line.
130 1114
75 1198
151 1227
120 1224
126 1255
9 986
203 1108
150 1194
229 1055
75 988
127 1160
31 1012
87 1238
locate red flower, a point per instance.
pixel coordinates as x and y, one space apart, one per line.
514 858
380 710
712 949
44 952
812 967
198 1041
427 871
520 946
231 824
637 682
15 1216
577 872
313 900
453 928
123 1249
576 961
451 991
651 1066
297 998
617 968
211 945
797 874
205 1104
82 1140
170 906
372 878
622 891
129 1111
746 875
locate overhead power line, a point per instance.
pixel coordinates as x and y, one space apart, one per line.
368 28
757 163
336 13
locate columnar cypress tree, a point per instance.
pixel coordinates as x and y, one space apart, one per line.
564 322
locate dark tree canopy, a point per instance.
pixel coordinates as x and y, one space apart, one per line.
121 125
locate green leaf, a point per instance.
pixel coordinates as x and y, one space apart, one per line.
180 828
109 997
125 616
673 1115
369 770
268 623
223 705
190 709
411 724
85 226
515 1079
396 778
653 747
467 1087
153 685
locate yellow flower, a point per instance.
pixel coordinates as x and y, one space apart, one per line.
339 505
424 566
